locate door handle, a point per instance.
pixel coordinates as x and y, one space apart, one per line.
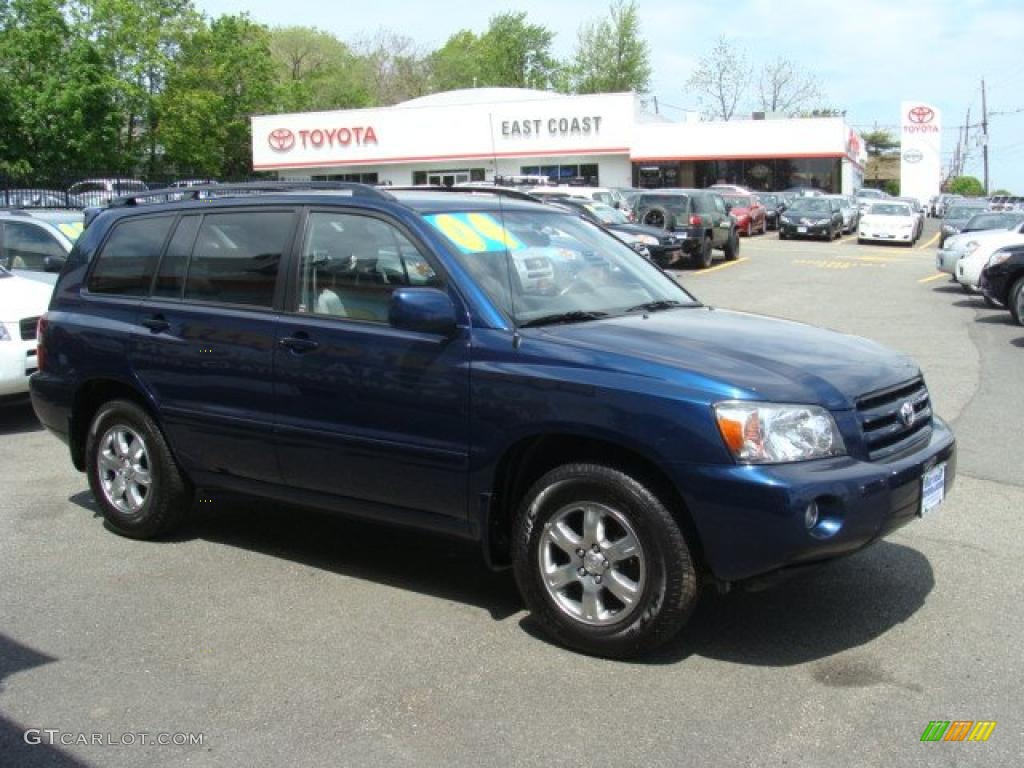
298 343
156 323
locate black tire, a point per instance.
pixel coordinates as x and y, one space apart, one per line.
704 258
658 217
1015 301
750 228
668 587
860 241
169 494
731 249
782 235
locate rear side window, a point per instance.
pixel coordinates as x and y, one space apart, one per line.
171 277
237 256
126 264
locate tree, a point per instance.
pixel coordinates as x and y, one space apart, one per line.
516 54
721 80
611 54
394 66
879 142
223 74
316 70
968 186
457 63
784 87
1002 193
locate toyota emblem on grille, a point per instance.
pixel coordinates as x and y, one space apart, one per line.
907 414
281 139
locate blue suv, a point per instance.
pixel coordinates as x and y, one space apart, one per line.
490 368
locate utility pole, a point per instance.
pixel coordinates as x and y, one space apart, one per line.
966 144
984 133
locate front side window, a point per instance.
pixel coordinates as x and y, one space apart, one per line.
352 263
26 246
545 267
126 264
237 256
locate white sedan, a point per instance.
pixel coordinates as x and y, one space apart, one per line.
958 246
21 303
969 268
888 222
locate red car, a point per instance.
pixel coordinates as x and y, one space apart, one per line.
748 212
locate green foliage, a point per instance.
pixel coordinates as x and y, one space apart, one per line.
316 71
611 54
968 186
879 142
516 54
1002 193
458 63
892 187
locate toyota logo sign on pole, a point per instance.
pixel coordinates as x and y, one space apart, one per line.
920 150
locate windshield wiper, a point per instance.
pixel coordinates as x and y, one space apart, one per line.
576 316
654 306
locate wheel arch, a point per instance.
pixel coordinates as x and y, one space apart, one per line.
89 398
526 460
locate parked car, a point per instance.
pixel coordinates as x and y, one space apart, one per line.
735 189
94 192
698 217
1002 280
34 198
774 204
423 358
803 191
945 200
977 255
815 217
747 211
866 196
957 215
918 209
888 222
22 302
664 247
850 211
35 244
965 243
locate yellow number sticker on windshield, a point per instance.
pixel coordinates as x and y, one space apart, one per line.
71 229
474 232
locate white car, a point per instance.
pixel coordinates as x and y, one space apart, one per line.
969 268
21 303
606 195
958 246
888 222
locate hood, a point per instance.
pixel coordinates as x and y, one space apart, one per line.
887 222
21 298
747 355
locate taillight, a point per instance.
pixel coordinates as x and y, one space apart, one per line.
41 342
696 221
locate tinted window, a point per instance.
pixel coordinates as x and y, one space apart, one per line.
171 277
126 264
26 246
352 263
237 256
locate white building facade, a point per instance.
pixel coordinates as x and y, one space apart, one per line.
604 139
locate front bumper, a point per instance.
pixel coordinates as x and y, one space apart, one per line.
17 363
946 260
886 237
808 230
750 519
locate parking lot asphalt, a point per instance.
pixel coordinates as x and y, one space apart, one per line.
291 638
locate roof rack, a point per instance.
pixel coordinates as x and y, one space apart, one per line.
515 194
216 191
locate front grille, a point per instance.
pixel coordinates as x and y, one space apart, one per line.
885 432
28 328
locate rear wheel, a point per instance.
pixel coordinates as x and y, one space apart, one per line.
749 232
731 249
704 258
132 474
601 563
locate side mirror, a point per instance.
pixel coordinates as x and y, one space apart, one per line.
426 310
50 264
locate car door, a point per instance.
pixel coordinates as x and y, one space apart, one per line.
205 339
368 411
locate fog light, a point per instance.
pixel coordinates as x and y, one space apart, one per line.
811 515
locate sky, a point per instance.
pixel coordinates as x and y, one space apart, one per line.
869 55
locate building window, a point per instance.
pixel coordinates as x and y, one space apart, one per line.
447 178
359 178
585 175
761 174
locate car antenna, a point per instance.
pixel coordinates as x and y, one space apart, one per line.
516 338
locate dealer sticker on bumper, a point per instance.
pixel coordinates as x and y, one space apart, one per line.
933 488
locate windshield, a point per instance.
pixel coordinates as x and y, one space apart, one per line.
810 205
869 193
889 209
607 214
738 201
993 221
961 212
558 268
768 200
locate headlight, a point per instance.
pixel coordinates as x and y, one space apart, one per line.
4 335
647 239
822 222
764 433
785 220
999 257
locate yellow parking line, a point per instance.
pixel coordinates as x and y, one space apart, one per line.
936 276
930 243
720 266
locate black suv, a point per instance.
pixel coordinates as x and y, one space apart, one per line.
698 217
1002 280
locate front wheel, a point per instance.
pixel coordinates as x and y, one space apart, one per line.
601 563
1016 301
135 479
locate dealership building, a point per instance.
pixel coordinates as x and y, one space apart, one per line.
604 139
